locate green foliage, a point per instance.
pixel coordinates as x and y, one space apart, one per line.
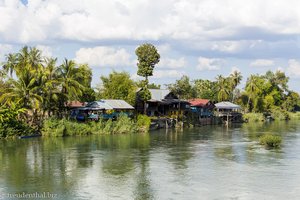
143 123
118 85
42 87
254 117
183 88
145 94
279 114
141 84
223 88
294 115
11 125
205 89
270 141
148 57
62 127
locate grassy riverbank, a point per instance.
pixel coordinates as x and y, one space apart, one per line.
275 114
54 127
63 127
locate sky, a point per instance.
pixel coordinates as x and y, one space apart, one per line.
198 38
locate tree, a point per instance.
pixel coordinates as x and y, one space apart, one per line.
235 79
183 88
140 84
223 88
148 57
118 85
206 89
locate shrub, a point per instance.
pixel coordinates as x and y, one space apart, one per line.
294 115
143 123
254 117
279 114
63 127
270 141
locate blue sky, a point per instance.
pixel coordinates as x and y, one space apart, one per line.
198 38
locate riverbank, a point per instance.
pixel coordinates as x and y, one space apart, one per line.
54 127
274 115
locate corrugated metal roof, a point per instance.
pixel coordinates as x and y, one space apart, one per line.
108 104
158 94
227 105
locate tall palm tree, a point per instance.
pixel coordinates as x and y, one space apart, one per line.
222 88
251 88
71 89
49 85
235 79
10 64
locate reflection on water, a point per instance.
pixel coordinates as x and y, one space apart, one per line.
212 162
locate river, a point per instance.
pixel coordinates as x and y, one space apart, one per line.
211 162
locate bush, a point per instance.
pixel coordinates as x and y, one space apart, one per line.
270 141
143 123
254 117
279 114
294 115
57 127
63 127
14 128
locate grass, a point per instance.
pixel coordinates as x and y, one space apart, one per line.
270 140
294 115
253 117
63 127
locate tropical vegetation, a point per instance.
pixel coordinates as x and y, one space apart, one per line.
35 92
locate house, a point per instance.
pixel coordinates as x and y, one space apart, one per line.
112 108
203 107
105 108
162 103
228 111
75 104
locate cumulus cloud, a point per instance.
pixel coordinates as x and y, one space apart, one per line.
46 50
262 63
157 74
169 63
293 69
4 49
92 20
210 64
104 57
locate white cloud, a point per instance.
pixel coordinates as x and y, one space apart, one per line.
4 49
293 69
210 64
46 50
91 20
104 57
233 69
157 74
169 63
262 63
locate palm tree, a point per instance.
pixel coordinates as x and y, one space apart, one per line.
251 87
49 85
222 88
71 89
235 79
10 64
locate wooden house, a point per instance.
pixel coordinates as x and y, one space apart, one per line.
104 108
202 111
228 112
162 103
203 107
